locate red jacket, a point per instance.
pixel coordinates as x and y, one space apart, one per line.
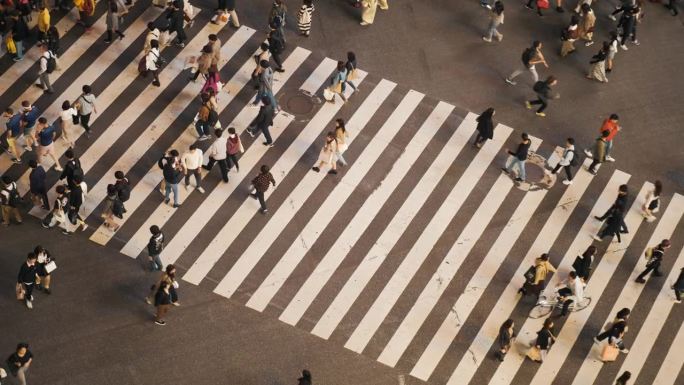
610 126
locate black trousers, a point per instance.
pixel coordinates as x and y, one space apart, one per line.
198 176
233 161
28 291
678 294
565 292
43 197
652 267
542 102
260 196
222 164
607 231
85 120
277 59
568 170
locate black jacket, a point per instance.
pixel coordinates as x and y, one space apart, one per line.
542 89
265 118
156 244
522 150
37 180
27 274
69 168
485 127
171 174
75 196
20 30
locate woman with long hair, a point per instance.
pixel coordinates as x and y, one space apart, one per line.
485 127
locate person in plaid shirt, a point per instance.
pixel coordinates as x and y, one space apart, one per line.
260 186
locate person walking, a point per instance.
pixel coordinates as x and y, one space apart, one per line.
505 338
587 24
10 201
18 33
45 264
567 161
276 46
612 50
77 194
47 66
304 17
543 90
277 16
204 119
20 361
66 122
654 257
615 328
263 121
337 81
265 85
496 18
46 142
369 10
162 301
678 286
545 339
15 127
672 6
265 54
341 137
485 127
518 158
598 64
169 277
113 207
115 12
58 215
153 33
613 225
620 200
72 168
176 18
628 23
123 186
153 62
173 174
43 22
582 264
37 185
30 115
215 44
598 153
568 37
233 148
260 185
154 248
86 10
85 104
535 277
351 67
26 279
652 202
327 154
192 162
612 125
218 154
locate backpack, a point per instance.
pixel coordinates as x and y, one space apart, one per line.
118 208
78 171
573 161
124 191
12 199
527 55
51 64
530 273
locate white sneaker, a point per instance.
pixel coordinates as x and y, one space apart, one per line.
624 47
567 182
85 227
201 190
596 340
29 304
588 154
624 350
57 168
589 43
611 17
610 158
487 40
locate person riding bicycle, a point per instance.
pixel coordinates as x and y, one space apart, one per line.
571 290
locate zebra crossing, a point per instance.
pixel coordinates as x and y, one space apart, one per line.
375 258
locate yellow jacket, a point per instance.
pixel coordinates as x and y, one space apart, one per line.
44 20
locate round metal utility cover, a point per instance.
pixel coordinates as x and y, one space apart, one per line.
297 103
538 177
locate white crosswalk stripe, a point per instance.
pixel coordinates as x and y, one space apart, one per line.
342 297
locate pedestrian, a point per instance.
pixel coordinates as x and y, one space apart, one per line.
37 185
568 37
155 247
30 116
485 127
505 338
191 161
52 41
218 154
215 44
113 207
46 134
624 378
337 81
162 301
518 158
213 82
341 137
612 125
260 185
678 286
598 153
276 46
620 200
567 161
72 168
265 81
369 10
66 122
263 121
153 62
123 186
672 6
304 17
173 174
327 154
153 33
59 210
168 277
616 327
545 339
305 379
203 121
45 265
654 257
176 18
233 148
265 54
613 225
571 290
530 57
85 104
26 280
598 64
277 16
540 4
77 194
628 23
582 264
350 65
652 202
496 18
20 361
46 67
613 42
535 277
15 127
10 201
18 33
543 90
115 12
587 24
43 22
86 10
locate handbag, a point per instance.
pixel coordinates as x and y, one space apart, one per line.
609 353
534 354
337 88
328 94
20 292
50 267
11 47
352 75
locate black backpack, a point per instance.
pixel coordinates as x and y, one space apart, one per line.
527 55
78 171
573 161
124 191
530 273
51 63
213 117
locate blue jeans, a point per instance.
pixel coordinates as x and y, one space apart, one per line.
269 94
20 48
202 128
609 146
156 263
174 187
521 167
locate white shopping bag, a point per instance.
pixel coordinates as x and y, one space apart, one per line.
328 95
553 160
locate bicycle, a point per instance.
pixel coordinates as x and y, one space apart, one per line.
545 306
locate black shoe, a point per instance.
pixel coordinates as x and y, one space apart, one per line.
280 70
560 9
519 179
316 169
529 7
264 211
639 280
598 218
267 144
156 83
333 172
504 169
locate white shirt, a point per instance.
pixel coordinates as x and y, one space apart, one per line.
43 62
66 116
218 149
151 35
151 59
192 159
568 154
577 288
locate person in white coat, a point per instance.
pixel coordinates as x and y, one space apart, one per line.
567 160
652 202
151 61
192 161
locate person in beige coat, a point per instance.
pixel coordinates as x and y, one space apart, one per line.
327 155
586 25
369 9
203 62
215 44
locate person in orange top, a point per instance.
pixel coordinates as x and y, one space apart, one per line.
611 125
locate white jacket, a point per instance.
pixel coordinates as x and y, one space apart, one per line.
192 159
568 154
218 149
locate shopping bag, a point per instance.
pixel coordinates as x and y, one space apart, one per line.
11 47
20 292
553 160
609 353
534 354
352 75
50 267
328 95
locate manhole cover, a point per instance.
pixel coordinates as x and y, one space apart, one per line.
537 177
298 103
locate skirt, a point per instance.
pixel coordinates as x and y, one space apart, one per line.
598 72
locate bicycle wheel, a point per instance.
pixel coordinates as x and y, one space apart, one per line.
582 305
541 310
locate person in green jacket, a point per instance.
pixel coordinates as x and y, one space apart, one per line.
599 151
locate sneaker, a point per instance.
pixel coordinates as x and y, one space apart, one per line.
175 303
44 225
624 47
167 200
16 161
57 168
160 323
84 227
250 133
175 206
504 169
610 158
596 238
29 304
148 300
511 82
39 86
264 211
519 179
636 42
267 144
365 23
253 196
202 138
625 350
589 43
540 114
66 232
588 154
611 17
640 280
200 189
156 83
567 182
678 301
27 148
279 70
528 105
487 40
592 172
